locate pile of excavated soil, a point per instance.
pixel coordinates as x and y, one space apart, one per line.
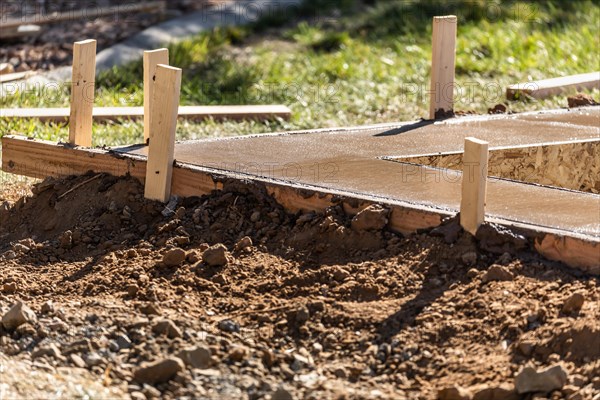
227 296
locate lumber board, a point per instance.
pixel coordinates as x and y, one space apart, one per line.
82 93
15 76
163 124
39 159
118 12
443 62
554 86
474 184
196 113
151 60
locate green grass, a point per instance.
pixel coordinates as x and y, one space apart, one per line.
355 65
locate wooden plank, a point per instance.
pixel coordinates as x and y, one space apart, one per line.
151 59
163 124
118 12
39 159
194 113
443 63
82 93
551 87
474 184
15 76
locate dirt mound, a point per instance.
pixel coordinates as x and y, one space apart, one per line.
229 296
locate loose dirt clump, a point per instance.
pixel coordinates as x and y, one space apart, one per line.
229 296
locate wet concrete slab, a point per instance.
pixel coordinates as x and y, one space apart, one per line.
353 160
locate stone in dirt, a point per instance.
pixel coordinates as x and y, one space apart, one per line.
228 325
454 393
216 256
497 273
166 327
581 100
529 380
282 394
174 257
504 391
197 357
158 371
18 314
574 303
373 217
243 244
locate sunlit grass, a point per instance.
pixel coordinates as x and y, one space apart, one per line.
366 66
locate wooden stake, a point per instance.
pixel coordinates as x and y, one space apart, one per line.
163 123
151 59
82 93
443 65
474 184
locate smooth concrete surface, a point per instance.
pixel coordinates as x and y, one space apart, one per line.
352 160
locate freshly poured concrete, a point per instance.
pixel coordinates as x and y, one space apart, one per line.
353 161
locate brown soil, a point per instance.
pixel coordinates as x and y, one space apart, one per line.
310 309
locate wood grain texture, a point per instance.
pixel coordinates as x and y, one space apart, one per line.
443 61
82 93
40 159
163 123
151 59
551 87
474 184
194 113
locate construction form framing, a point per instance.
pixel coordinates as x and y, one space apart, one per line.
354 167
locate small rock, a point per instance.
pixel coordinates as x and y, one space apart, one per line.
49 350
282 394
373 217
243 244
123 341
581 100
497 109
529 380
192 257
65 240
526 347
574 303
182 240
48 307
216 256
255 216
137 395
159 371
9 288
78 361
497 273
166 327
93 359
228 325
150 309
504 391
454 393
132 290
151 392
18 314
197 357
174 257
19 248
469 258
238 353
472 273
